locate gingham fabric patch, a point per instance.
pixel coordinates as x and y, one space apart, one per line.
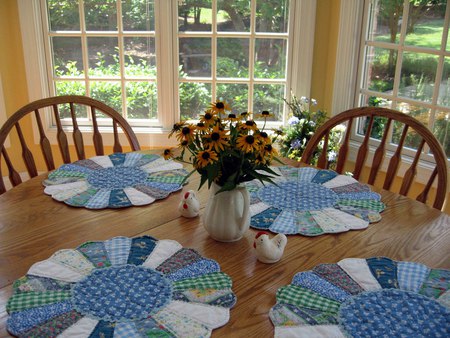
411 275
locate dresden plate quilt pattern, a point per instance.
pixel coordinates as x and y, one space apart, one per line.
312 202
115 181
122 287
374 297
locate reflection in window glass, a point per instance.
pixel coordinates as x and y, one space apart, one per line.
141 100
103 56
140 56
272 16
385 20
195 57
442 130
412 138
418 76
63 18
380 69
236 95
233 15
444 88
270 58
194 15
232 57
138 15
269 97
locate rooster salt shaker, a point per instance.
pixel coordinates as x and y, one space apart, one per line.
189 205
269 250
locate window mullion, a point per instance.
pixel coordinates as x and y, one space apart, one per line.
251 54
214 50
121 57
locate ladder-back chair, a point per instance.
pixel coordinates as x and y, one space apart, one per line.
68 106
391 116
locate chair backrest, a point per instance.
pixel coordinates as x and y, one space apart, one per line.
67 105
406 124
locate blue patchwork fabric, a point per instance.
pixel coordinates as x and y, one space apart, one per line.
131 159
141 248
96 253
88 164
198 268
384 270
411 275
312 281
146 158
116 177
118 199
285 223
117 159
228 301
118 249
38 283
365 195
20 322
437 282
290 173
306 174
128 293
323 176
300 197
102 329
81 199
170 187
265 219
75 167
150 328
100 200
288 314
125 330
354 187
394 313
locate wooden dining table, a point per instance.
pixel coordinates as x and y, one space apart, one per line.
33 226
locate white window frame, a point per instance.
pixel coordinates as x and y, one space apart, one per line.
348 76
300 58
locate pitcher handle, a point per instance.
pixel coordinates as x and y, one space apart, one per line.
246 197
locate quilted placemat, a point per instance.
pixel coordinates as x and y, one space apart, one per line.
115 181
312 202
122 287
374 297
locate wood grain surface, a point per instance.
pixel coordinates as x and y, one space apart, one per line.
33 226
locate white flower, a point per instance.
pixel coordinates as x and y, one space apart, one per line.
293 120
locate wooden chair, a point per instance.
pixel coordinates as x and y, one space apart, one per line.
56 106
409 124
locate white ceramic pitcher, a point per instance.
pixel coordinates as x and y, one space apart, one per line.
227 216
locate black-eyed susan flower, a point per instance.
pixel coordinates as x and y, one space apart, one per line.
208 118
187 132
232 118
184 143
247 143
279 132
263 137
205 157
217 139
176 127
168 153
201 127
244 115
269 150
220 106
264 114
249 125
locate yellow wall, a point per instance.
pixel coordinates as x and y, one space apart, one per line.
12 67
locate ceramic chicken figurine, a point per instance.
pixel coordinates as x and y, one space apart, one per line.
189 205
269 250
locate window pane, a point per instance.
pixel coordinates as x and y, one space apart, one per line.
195 57
100 15
232 57
141 100
63 16
380 69
233 15
72 88
269 97
194 15
138 15
442 130
272 16
140 56
444 88
385 20
195 97
379 123
67 58
270 58
425 24
108 92
418 75
234 94
412 138
103 57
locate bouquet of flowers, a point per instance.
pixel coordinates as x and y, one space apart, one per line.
302 124
225 148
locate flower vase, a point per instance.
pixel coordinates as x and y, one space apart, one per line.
227 215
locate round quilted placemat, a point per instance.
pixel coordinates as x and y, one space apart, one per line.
312 202
374 297
122 287
115 181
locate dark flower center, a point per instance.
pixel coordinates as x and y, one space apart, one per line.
232 116
244 113
220 105
268 147
215 136
249 123
200 124
186 131
166 152
208 116
250 139
206 156
265 112
184 143
263 134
